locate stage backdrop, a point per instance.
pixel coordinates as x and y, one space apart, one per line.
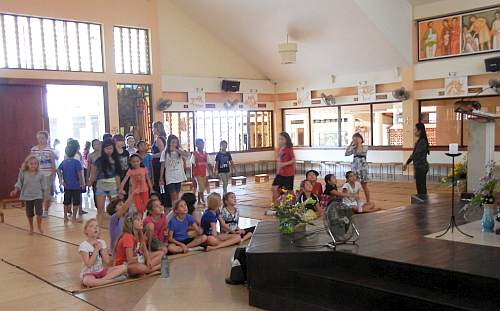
459 34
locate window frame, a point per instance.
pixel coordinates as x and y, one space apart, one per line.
248 148
56 53
339 107
147 46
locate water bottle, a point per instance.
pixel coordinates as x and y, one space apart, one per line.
162 189
165 269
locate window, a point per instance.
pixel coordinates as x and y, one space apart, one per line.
296 123
355 119
325 127
131 50
388 124
28 42
243 130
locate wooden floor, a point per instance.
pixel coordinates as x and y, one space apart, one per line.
51 264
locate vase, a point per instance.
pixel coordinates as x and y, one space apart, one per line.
462 185
286 227
488 220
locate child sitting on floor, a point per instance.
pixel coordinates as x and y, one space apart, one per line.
230 216
209 220
156 225
308 199
118 210
95 257
351 189
331 191
312 176
178 238
131 249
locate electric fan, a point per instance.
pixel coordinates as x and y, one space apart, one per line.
339 224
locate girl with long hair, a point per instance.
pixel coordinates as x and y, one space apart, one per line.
172 167
285 166
159 144
419 159
359 164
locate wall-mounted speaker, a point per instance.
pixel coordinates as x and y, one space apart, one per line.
492 64
230 86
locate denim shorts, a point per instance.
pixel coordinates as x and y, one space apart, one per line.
173 187
106 187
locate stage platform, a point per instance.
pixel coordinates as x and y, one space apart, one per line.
392 267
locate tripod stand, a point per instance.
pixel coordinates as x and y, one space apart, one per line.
453 224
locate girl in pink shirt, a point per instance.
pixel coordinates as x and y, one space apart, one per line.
140 184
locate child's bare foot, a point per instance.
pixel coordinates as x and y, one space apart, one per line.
40 230
209 248
31 231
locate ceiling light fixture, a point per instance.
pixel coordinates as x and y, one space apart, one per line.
288 52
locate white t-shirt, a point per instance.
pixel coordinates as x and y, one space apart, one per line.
44 156
86 247
350 200
174 167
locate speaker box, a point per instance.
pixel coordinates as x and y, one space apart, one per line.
492 64
230 86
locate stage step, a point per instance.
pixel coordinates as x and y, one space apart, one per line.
348 286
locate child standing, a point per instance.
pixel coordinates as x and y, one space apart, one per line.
147 158
209 220
122 154
230 217
47 165
308 199
172 168
285 166
140 184
224 163
117 209
351 188
71 178
131 248
32 185
156 225
199 160
95 258
178 238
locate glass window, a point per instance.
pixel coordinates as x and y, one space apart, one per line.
131 50
488 104
355 119
297 125
442 123
33 43
181 125
325 127
260 129
387 124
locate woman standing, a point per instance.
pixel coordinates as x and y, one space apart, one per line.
160 141
172 167
419 158
359 164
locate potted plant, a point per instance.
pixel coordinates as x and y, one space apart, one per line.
291 215
460 170
484 196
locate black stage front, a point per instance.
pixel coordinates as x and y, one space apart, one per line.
393 266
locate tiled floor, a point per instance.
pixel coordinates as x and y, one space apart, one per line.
40 270
471 228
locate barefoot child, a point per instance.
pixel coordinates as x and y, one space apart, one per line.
140 184
95 258
178 238
71 178
199 160
209 220
32 185
285 166
131 248
331 191
156 225
352 188
230 217
224 163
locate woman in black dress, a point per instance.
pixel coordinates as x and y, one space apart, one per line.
160 142
419 158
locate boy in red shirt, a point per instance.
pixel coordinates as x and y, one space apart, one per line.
199 159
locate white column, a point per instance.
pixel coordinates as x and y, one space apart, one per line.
481 150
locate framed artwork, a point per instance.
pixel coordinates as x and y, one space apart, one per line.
303 97
468 33
455 86
366 92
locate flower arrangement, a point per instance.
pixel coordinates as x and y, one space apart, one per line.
460 170
291 214
486 190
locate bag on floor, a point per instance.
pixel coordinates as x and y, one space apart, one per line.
238 273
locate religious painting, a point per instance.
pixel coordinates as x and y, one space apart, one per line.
250 100
459 34
455 86
366 92
439 37
303 97
135 111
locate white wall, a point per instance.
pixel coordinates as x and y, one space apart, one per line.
187 49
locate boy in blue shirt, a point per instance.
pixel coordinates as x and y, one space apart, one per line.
70 174
178 238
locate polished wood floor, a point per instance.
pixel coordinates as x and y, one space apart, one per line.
51 264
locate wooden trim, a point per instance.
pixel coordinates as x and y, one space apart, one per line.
264 97
23 81
429 84
176 96
287 96
344 91
481 79
387 87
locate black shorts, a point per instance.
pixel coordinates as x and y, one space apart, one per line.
173 187
34 207
72 197
285 182
187 241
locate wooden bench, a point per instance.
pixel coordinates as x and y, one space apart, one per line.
235 179
187 186
261 177
214 182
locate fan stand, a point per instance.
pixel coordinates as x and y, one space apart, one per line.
333 244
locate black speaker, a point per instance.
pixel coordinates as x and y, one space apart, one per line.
492 64
230 86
